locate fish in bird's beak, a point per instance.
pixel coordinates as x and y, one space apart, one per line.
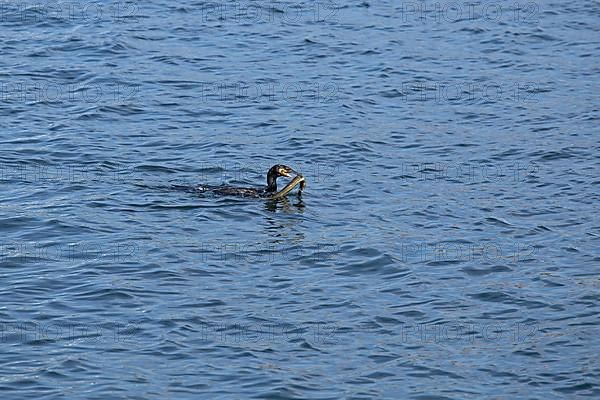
285 172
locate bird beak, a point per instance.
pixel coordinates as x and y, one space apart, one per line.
284 172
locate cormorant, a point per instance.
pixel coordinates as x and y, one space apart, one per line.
270 191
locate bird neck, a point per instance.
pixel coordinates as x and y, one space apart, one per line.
271 182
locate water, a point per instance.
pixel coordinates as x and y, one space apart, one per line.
446 245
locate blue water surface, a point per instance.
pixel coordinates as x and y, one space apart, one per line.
445 247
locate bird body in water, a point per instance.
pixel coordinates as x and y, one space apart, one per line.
270 191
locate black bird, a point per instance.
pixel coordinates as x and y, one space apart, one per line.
271 189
